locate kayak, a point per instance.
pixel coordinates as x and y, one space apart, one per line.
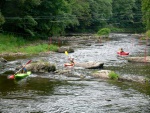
68 64
19 75
123 53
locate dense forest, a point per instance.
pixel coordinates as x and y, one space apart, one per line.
42 18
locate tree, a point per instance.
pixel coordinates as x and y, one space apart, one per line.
2 19
54 16
122 12
146 13
91 14
18 16
137 17
40 18
100 11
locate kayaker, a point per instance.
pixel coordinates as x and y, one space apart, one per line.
23 70
120 50
71 59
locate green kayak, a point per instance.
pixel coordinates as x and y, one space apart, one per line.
19 75
22 75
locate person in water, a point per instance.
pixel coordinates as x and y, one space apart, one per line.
23 70
71 59
120 50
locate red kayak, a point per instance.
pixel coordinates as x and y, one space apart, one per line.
68 64
123 53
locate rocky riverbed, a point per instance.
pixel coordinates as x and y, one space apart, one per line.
49 92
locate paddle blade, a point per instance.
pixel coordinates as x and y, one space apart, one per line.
28 61
66 52
11 77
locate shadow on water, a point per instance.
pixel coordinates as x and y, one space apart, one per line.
36 85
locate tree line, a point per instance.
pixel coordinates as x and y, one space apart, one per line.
42 18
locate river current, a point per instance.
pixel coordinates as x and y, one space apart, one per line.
52 93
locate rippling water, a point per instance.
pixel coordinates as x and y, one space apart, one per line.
51 93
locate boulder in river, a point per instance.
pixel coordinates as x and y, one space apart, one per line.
41 66
90 65
104 74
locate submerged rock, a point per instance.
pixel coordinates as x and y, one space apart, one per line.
90 65
139 79
139 59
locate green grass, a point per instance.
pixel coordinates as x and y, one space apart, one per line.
113 75
148 33
38 48
9 43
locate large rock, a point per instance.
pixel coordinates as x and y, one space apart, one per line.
41 66
90 65
139 59
104 74
3 60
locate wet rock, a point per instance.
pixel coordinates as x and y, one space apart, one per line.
63 49
3 60
104 74
62 71
90 65
41 66
138 59
99 45
88 44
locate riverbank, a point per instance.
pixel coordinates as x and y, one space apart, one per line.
11 45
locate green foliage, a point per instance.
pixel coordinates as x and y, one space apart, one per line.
148 33
43 18
146 13
9 43
104 31
113 75
127 14
97 14
115 29
2 20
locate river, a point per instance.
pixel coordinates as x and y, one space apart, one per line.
52 93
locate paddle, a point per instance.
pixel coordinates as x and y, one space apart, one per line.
13 76
66 53
23 66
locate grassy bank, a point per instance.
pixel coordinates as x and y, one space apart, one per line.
9 43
